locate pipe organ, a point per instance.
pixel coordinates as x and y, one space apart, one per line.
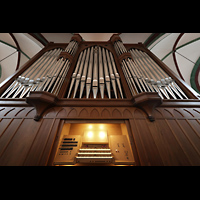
98 103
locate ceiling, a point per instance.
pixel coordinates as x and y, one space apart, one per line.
179 51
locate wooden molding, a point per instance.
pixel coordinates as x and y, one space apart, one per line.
65 55
114 38
76 37
124 56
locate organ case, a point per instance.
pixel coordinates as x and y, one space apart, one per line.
93 82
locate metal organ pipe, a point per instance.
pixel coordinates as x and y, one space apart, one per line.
112 76
89 74
107 77
117 78
129 78
101 76
74 74
45 74
96 67
78 76
83 78
95 74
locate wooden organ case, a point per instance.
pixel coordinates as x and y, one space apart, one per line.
98 103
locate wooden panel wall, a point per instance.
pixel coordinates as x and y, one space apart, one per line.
172 139
24 141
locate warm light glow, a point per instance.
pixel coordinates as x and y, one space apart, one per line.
102 134
101 126
90 126
90 134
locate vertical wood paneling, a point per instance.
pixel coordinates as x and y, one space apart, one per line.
18 147
135 153
189 150
148 143
175 155
49 144
8 134
195 126
139 145
39 143
161 143
147 150
190 134
4 123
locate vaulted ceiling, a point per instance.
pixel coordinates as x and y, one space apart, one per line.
179 51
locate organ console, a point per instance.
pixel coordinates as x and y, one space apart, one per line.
95 146
152 116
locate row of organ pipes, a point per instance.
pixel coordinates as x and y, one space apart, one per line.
143 74
95 74
95 69
46 74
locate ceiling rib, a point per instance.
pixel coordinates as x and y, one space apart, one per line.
152 38
174 55
18 49
39 37
14 48
194 76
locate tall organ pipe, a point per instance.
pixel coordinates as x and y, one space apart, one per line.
78 76
95 75
83 77
74 74
101 76
89 74
111 74
107 77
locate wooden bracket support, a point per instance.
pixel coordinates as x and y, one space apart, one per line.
41 101
147 101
